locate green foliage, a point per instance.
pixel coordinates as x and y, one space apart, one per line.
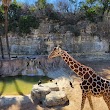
97 5
27 22
1 14
14 14
41 4
91 13
93 10
19 20
1 20
51 13
90 1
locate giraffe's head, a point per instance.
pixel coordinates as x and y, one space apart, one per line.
55 52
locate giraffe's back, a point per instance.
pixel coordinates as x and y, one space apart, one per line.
95 85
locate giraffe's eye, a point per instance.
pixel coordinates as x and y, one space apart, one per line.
54 49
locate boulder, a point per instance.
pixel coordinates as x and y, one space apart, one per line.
52 86
40 91
55 98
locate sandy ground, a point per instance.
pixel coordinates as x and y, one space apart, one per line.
74 94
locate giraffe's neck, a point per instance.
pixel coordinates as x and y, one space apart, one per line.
77 67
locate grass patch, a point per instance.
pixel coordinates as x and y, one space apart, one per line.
19 85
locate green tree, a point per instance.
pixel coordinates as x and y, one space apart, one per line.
93 10
41 4
14 13
26 23
105 5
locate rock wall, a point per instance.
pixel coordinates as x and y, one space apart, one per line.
39 66
53 68
42 40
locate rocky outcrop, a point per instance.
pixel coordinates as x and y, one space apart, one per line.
55 98
41 43
49 94
7 101
40 91
40 66
12 67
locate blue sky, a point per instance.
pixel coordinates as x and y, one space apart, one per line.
33 1
49 1
53 2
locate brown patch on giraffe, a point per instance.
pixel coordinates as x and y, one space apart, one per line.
102 80
80 69
94 75
75 65
83 72
99 83
102 84
81 87
98 86
102 88
76 70
88 84
86 76
79 64
98 78
64 57
91 72
94 84
87 69
72 67
80 73
95 90
98 90
84 69
85 87
90 87
105 85
107 82
90 80
84 82
70 59
71 63
64 54
68 62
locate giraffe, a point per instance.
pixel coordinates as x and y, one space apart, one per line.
91 84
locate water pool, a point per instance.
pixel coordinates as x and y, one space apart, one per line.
19 85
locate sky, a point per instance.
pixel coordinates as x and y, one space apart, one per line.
33 1
49 1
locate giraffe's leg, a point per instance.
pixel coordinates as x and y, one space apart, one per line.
90 101
83 100
107 100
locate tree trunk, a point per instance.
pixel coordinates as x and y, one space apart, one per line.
6 31
1 47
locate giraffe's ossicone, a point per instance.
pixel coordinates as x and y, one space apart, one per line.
92 84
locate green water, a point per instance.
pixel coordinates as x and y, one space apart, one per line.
19 85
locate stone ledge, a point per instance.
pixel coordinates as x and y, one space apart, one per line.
40 91
49 94
55 98
6 101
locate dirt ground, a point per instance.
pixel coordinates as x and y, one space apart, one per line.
74 94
